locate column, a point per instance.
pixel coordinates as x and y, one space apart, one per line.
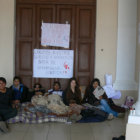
126 48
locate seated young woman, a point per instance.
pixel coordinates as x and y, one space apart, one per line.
101 101
72 94
19 91
56 89
6 109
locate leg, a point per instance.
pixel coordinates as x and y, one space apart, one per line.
3 127
1 119
101 107
107 108
8 113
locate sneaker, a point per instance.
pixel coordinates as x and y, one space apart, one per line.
3 127
74 118
121 115
110 116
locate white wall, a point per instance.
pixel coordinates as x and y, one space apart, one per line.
106 38
7 39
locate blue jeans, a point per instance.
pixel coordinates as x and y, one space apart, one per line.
105 107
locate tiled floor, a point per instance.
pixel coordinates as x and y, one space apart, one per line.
60 131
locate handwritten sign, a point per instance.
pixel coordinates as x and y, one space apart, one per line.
53 63
55 35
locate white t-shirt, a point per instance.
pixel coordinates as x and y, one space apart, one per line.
59 92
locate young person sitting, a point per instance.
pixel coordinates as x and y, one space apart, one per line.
72 94
56 89
6 110
100 100
37 90
19 91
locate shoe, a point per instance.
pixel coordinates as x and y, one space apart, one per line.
3 127
121 115
120 138
74 118
114 138
110 116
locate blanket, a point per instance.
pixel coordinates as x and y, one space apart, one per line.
29 117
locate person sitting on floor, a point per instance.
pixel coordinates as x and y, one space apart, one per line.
56 89
100 100
72 94
38 90
19 92
6 110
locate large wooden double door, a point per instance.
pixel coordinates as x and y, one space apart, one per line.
81 14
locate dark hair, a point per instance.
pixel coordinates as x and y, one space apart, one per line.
57 82
71 79
17 78
3 79
89 90
95 80
40 86
77 90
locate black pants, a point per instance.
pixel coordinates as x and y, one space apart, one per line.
93 112
8 113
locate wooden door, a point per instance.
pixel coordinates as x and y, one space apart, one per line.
82 18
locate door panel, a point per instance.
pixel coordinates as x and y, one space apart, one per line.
84 57
25 42
27 80
25 53
85 20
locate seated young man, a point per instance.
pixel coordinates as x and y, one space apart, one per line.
56 89
6 110
37 90
19 92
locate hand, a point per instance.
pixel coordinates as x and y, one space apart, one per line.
30 105
72 104
100 97
38 93
17 101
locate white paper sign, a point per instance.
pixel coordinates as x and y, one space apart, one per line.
53 63
55 35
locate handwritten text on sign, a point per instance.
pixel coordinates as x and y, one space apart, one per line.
53 63
55 35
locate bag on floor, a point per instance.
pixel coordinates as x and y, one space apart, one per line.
129 101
